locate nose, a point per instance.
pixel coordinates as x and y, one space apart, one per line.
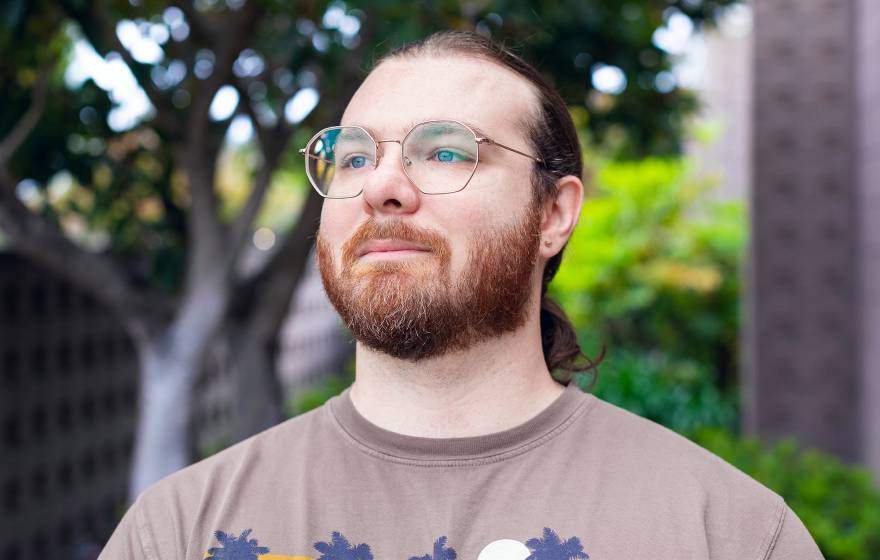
387 189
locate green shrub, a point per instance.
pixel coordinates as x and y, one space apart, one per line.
676 393
838 503
653 265
319 392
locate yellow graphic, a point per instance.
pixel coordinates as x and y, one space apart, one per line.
271 556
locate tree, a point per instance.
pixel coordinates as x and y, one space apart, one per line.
236 548
175 280
139 221
338 548
550 547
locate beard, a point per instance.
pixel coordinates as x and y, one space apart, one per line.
412 309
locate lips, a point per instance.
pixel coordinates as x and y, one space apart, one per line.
390 247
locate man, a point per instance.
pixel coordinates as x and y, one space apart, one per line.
452 186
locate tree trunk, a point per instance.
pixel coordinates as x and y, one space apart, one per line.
161 443
170 359
259 398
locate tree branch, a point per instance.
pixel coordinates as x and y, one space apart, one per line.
166 114
272 144
226 42
29 120
202 149
42 241
265 298
202 30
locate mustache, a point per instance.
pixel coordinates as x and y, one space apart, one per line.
396 229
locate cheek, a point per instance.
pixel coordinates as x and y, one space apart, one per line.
465 231
335 227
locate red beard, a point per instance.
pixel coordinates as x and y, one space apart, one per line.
412 309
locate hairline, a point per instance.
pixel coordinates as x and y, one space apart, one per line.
524 122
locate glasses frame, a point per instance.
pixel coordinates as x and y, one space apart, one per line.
480 140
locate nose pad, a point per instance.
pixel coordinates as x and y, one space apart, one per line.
391 190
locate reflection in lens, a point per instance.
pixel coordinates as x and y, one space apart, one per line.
441 156
337 158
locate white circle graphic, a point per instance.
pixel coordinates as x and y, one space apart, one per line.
504 549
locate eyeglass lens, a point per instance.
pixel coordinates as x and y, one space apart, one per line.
438 157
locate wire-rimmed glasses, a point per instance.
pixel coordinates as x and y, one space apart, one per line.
439 157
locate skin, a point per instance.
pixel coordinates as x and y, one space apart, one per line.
496 384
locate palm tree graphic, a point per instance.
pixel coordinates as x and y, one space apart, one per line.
552 548
236 548
441 552
339 549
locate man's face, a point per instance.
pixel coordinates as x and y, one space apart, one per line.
415 275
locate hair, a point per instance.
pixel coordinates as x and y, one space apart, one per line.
553 138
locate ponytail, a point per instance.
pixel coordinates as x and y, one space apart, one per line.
562 352
559 340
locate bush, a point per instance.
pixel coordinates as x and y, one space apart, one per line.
654 266
676 393
320 391
838 503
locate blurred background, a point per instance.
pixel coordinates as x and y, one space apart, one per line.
158 299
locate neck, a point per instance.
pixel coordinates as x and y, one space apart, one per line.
490 387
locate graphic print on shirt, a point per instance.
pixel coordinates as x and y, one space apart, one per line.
233 548
441 552
547 547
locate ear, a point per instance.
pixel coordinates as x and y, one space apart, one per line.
561 215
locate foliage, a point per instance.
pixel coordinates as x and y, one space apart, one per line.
318 393
678 394
653 267
125 190
838 503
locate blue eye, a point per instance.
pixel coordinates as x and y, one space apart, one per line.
449 156
354 162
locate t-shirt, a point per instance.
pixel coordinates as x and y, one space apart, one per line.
581 479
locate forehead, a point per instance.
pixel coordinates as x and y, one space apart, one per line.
402 92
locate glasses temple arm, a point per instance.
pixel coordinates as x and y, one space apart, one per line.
514 150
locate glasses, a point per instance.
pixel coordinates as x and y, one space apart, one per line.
439 157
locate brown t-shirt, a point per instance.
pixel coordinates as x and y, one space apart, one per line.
582 479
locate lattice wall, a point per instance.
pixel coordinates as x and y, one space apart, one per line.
67 408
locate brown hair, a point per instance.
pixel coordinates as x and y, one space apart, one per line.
553 138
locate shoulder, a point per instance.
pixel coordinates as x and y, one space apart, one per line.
659 470
166 517
632 439
246 458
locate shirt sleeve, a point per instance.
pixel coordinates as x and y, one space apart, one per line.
126 542
794 541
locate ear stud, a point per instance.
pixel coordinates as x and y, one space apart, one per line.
547 243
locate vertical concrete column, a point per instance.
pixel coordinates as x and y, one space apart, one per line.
868 131
803 328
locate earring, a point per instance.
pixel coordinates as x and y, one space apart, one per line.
547 243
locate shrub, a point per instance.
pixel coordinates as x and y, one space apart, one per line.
838 503
676 393
654 265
